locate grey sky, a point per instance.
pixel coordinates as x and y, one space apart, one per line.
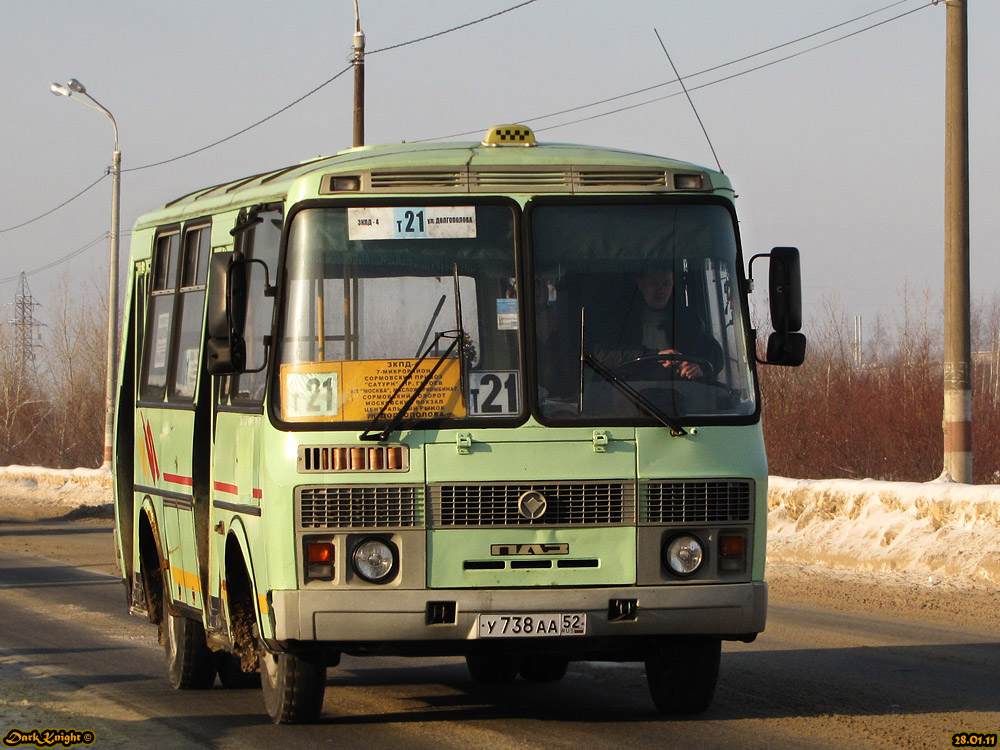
838 151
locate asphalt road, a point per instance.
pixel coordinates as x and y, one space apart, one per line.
71 657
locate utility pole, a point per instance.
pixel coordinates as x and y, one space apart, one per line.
358 60
957 343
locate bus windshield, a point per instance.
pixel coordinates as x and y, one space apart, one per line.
649 292
371 290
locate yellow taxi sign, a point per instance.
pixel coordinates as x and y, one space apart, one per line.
509 135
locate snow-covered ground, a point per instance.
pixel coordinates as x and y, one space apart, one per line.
920 532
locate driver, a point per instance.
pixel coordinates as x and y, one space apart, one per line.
664 325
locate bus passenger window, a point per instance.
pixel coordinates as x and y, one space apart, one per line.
190 311
159 323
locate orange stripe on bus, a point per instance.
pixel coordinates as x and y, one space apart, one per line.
178 479
232 489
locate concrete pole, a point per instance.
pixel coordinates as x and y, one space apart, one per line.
957 346
359 79
112 363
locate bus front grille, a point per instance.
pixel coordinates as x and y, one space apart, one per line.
715 501
565 504
359 506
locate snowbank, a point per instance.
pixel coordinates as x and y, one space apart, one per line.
28 492
937 530
934 530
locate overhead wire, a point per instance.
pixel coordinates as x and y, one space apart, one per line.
738 74
53 210
533 119
327 82
97 240
701 73
276 113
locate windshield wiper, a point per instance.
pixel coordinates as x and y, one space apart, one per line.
643 403
397 418
459 336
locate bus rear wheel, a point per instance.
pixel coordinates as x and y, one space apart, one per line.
682 674
293 685
190 662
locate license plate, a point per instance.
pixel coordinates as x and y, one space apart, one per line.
532 626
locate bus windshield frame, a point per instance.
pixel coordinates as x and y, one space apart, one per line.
593 262
393 296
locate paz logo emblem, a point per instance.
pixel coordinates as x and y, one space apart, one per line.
532 505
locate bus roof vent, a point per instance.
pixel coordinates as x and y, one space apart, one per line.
509 135
605 179
426 180
514 179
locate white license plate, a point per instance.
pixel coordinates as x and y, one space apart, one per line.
532 626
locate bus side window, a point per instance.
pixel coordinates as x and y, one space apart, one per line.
159 322
262 242
190 310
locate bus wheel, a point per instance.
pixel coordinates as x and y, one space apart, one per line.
682 674
293 685
543 667
493 667
190 662
231 674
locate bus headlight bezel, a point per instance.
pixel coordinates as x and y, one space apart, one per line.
380 568
683 554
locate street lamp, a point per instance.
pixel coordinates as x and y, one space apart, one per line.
73 86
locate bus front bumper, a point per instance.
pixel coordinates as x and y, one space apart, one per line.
734 611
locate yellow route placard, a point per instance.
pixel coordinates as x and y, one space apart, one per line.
357 391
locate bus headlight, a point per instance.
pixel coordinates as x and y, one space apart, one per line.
376 560
683 555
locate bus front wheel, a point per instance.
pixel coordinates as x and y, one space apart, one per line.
293 685
682 674
190 663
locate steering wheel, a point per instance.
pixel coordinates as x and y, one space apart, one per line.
651 367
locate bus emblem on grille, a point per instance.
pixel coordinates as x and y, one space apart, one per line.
532 505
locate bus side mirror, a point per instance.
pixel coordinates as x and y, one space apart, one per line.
227 310
786 346
785 289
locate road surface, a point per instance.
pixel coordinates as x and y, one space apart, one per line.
71 658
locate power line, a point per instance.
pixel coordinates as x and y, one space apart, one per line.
326 83
53 210
454 28
743 72
241 132
273 114
700 73
740 73
63 259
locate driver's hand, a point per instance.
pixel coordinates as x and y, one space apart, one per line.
687 370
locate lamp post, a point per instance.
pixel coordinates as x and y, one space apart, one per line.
71 87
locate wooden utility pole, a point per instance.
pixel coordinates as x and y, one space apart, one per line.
957 344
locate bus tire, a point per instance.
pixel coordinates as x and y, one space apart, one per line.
493 667
231 673
543 667
682 674
293 685
190 662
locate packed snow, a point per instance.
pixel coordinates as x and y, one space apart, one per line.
922 531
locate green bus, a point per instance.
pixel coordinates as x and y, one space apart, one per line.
491 400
